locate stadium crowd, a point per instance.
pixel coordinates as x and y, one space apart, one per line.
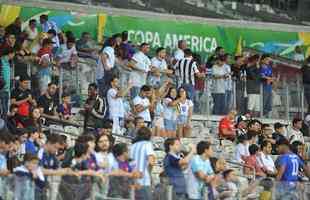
140 98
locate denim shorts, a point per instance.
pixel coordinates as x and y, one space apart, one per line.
170 125
182 119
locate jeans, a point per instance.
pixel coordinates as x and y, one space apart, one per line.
228 101
219 104
4 100
104 83
190 91
267 101
198 102
144 193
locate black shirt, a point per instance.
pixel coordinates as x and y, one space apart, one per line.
48 104
20 94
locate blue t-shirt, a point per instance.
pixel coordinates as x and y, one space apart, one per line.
30 147
266 71
6 73
47 160
174 171
292 165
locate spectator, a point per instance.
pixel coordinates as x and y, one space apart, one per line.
52 34
140 65
294 132
231 189
266 134
31 143
22 97
48 102
105 128
278 135
31 30
105 67
64 109
159 69
298 54
116 107
228 86
186 69
240 76
306 80
219 75
45 64
171 112
227 127
175 163
241 125
28 172
15 28
67 59
219 52
5 142
6 58
104 157
253 82
218 165
200 171
84 47
199 86
185 106
179 53
2 35
142 104
47 25
242 149
251 162
127 47
142 152
9 43
254 126
95 107
288 165
265 160
267 184
266 74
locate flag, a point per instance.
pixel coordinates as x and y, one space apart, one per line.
239 47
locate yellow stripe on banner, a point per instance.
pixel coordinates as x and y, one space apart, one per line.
8 14
102 19
304 37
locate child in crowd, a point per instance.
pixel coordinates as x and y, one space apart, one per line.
266 194
29 177
64 109
31 143
230 184
242 149
251 162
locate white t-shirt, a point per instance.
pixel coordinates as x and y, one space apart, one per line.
228 81
178 54
219 84
266 161
170 113
66 54
32 34
184 107
145 103
109 51
106 157
241 150
116 106
295 135
160 64
138 78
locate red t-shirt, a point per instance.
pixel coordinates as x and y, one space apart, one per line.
200 83
228 124
252 162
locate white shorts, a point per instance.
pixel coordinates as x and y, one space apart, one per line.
254 102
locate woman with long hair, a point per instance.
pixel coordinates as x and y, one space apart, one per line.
171 112
185 107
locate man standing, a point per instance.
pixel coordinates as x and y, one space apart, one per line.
266 74
143 153
48 101
105 65
140 65
179 53
142 104
22 97
294 132
186 70
95 107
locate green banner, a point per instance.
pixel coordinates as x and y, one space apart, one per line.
201 38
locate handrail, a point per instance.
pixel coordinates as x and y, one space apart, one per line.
243 165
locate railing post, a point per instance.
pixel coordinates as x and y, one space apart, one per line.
302 94
207 88
299 110
234 85
169 192
287 98
261 100
61 75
